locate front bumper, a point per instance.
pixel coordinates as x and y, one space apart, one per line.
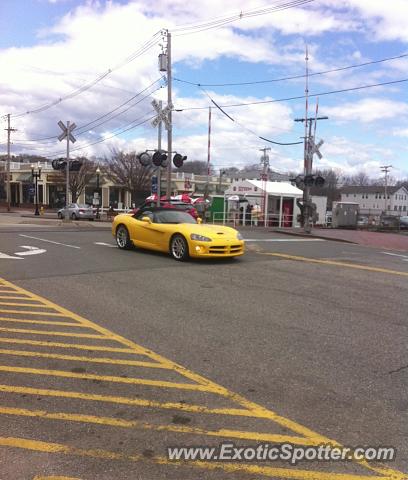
219 248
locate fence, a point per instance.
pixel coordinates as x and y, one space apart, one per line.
270 220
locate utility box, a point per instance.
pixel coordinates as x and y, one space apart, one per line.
345 214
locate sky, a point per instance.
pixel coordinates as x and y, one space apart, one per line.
95 63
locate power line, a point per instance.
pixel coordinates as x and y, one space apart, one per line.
144 48
246 128
222 21
82 127
299 97
124 129
294 77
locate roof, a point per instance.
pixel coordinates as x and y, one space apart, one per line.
369 189
277 188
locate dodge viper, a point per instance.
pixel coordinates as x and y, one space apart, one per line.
176 232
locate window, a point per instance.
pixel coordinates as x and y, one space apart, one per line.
404 208
395 207
144 213
346 194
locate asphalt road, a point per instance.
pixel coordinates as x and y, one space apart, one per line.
299 341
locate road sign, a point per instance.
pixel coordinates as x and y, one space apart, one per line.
314 148
162 115
67 132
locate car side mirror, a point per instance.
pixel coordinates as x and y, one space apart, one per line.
199 220
146 219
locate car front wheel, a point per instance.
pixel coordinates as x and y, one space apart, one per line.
60 216
179 248
123 238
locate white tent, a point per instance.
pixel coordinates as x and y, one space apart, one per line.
271 195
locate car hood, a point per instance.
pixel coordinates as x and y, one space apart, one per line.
213 231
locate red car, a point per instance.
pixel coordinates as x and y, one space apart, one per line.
186 207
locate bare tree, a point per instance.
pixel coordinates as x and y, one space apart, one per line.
79 180
198 167
361 179
124 169
331 186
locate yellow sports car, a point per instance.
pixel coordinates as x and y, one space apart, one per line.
177 232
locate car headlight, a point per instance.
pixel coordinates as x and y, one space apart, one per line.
200 238
239 236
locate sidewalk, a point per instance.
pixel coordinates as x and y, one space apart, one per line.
28 218
392 241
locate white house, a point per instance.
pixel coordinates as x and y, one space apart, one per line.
372 201
277 201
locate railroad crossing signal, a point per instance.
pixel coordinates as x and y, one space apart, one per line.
162 115
66 131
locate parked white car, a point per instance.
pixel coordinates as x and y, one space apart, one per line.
76 211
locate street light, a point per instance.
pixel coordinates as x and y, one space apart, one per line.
98 172
36 175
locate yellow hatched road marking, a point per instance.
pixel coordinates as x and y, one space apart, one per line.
13 297
108 378
58 334
336 263
208 385
17 304
110 361
53 477
41 322
274 472
117 422
185 407
21 341
25 312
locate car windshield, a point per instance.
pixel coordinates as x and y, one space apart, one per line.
173 216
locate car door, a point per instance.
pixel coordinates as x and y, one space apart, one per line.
143 234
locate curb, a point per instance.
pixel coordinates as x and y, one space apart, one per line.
305 235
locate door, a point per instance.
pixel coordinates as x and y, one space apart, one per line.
287 213
143 233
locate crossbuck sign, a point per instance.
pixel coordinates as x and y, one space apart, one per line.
162 115
314 147
66 132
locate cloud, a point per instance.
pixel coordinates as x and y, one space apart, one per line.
367 110
96 36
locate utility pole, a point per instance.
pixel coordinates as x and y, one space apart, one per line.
8 190
309 149
385 169
207 186
159 140
264 178
170 106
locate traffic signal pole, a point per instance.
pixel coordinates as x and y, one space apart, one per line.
170 105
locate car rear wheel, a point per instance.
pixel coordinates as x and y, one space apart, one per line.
123 238
74 217
179 248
